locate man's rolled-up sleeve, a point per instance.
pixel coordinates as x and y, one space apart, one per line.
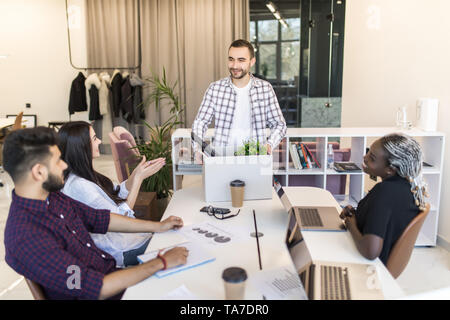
275 121
203 118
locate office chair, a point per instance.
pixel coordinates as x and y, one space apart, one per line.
402 249
124 155
36 290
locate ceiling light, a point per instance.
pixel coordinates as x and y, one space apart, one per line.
271 6
277 15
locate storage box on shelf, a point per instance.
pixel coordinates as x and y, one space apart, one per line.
349 144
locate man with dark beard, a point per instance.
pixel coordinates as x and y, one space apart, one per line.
242 105
47 236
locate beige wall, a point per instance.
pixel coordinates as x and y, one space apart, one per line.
37 69
396 52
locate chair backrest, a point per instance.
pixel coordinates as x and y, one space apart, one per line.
123 134
36 290
18 122
124 157
402 249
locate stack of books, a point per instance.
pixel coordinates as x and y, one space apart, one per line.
302 157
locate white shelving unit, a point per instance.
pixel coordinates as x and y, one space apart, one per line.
357 183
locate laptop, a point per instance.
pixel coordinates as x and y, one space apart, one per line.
324 280
324 218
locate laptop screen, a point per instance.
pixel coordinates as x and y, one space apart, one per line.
283 196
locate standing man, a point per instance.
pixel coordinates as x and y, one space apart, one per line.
243 106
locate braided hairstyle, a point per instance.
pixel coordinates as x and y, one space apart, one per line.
405 155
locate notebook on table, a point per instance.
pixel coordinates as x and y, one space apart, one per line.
198 256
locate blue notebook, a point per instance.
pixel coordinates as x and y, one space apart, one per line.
198 256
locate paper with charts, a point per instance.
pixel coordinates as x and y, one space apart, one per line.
279 284
208 233
198 255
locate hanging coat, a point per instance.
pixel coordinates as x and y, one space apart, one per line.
116 90
77 100
93 84
103 93
127 100
138 108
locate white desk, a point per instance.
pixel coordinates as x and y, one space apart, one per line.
206 281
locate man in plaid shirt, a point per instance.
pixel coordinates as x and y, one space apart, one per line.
242 105
47 236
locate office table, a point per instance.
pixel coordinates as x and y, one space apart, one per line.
206 282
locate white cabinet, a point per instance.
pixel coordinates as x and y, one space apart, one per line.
348 188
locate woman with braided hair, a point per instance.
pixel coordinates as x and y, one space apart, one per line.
384 213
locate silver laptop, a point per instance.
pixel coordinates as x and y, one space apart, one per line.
312 218
330 280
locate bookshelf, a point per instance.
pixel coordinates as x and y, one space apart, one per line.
346 187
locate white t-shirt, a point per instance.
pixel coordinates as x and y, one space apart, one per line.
241 128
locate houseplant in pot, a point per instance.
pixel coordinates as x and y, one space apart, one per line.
159 145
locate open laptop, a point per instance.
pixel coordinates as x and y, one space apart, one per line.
324 218
330 280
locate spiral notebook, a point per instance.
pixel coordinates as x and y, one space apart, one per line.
198 256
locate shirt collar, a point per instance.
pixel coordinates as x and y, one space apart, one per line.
255 81
35 206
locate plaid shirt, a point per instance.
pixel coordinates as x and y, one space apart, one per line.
44 238
219 102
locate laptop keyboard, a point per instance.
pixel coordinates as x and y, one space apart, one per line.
335 283
310 217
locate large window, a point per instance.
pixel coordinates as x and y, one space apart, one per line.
277 49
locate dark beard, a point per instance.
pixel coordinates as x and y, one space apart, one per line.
244 73
53 184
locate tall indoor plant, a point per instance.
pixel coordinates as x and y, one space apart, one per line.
159 144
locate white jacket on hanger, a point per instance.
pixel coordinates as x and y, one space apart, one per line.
103 93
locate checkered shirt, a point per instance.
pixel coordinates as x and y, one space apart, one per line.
219 102
43 239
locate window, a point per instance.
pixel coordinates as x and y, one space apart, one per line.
277 49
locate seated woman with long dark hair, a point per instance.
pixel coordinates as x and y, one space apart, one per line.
79 146
384 213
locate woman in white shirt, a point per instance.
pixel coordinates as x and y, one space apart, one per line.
79 146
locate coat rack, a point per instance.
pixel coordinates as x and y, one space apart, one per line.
109 68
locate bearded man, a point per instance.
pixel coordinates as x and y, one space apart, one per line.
242 106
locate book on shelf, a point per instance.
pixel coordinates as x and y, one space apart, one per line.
186 165
346 166
313 159
295 157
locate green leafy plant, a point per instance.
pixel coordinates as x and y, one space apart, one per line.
251 148
160 145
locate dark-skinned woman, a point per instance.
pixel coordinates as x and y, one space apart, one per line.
384 213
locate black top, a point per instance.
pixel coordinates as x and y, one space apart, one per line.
386 211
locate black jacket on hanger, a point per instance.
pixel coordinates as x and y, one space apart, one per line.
77 100
138 108
116 90
127 100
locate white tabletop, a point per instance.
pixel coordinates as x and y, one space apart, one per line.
205 281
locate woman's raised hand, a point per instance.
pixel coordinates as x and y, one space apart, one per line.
146 169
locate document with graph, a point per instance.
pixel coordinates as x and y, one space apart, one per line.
279 284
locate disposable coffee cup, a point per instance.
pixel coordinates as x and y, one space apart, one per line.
234 281
237 193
